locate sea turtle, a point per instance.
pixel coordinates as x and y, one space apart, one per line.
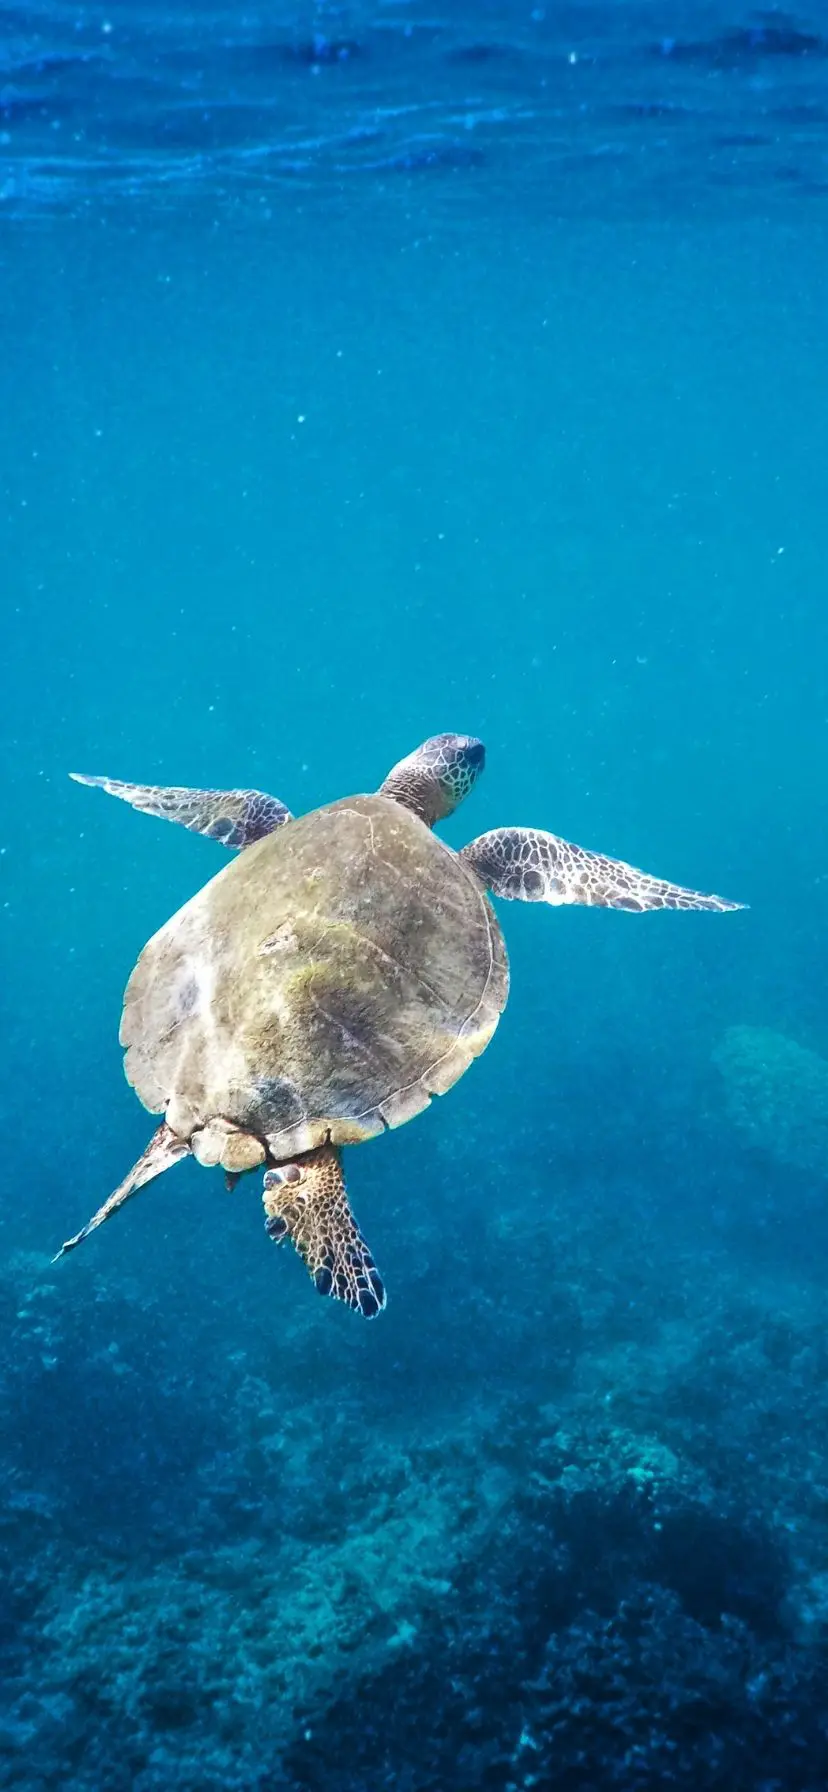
347 966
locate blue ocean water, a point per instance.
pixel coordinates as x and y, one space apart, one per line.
368 372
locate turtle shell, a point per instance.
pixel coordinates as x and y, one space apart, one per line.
325 984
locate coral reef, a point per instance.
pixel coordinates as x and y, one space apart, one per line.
776 1095
591 1556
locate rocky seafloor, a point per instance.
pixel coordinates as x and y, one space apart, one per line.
569 1530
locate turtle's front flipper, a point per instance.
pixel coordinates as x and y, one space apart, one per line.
163 1150
306 1202
527 865
234 817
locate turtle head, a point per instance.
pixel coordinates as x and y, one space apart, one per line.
437 776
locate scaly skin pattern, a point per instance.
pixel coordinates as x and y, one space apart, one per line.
233 817
306 1202
528 865
436 777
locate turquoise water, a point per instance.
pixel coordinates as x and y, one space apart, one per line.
383 391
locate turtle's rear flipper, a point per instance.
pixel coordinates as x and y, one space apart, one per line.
163 1150
306 1202
234 817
